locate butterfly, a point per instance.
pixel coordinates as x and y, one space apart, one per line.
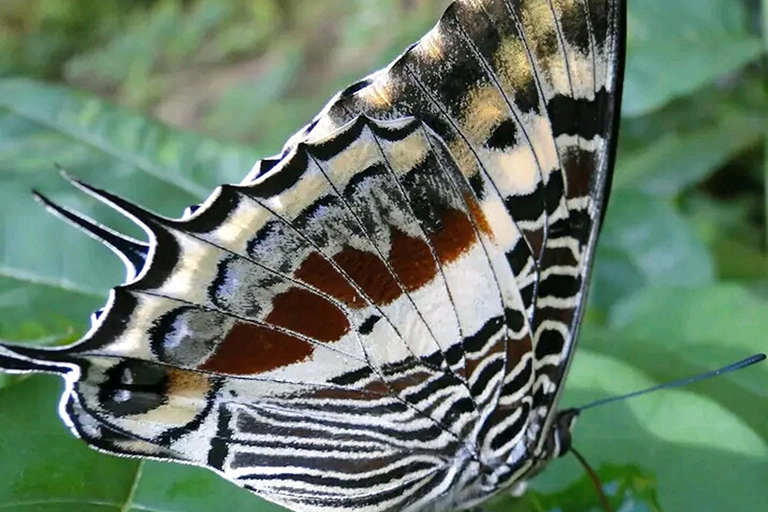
380 318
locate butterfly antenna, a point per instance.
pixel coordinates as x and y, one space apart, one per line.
595 479
682 382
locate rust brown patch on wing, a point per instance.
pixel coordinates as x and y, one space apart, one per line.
336 394
318 272
561 315
251 349
370 274
309 314
411 260
455 238
412 380
478 215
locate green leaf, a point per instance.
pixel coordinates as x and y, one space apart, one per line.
684 143
84 133
677 46
644 242
704 456
685 331
43 467
735 242
171 487
627 488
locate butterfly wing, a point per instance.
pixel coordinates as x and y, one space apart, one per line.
382 316
526 96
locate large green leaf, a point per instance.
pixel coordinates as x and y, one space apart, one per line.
42 468
645 241
684 143
689 330
704 457
677 46
717 430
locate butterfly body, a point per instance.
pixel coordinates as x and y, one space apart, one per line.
381 317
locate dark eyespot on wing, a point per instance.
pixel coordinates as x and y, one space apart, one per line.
133 387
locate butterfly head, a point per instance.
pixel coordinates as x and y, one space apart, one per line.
558 441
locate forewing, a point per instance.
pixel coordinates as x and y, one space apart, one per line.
526 96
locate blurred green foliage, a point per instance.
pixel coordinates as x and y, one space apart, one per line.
233 69
680 285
